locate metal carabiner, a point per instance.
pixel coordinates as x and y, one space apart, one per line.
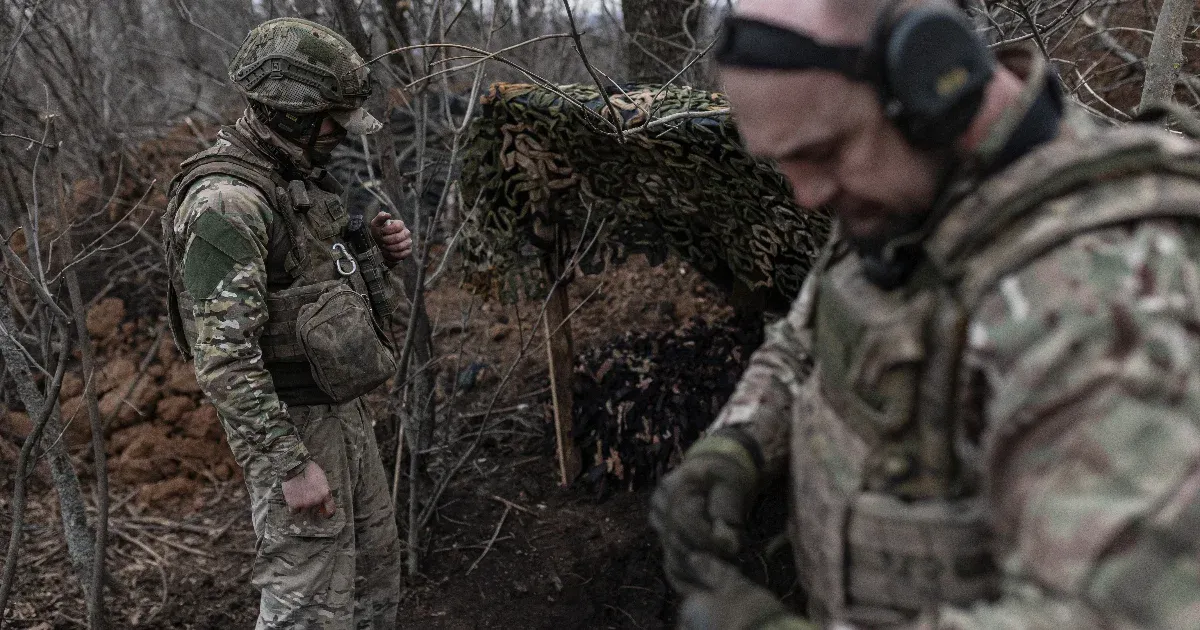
340 256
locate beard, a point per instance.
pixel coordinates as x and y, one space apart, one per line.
886 238
870 226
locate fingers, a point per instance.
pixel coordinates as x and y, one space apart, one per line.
384 225
328 507
392 238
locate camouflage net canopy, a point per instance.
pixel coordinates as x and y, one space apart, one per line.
539 158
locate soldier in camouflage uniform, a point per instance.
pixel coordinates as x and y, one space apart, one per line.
276 292
987 393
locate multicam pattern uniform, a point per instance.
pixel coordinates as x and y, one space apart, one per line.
229 363
537 156
1077 419
335 573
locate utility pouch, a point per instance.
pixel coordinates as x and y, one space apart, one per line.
344 347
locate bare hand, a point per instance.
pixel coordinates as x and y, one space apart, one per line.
393 238
309 489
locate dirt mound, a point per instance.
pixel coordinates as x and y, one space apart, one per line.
104 318
163 439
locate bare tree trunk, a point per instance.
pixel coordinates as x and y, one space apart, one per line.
17 364
529 17
350 25
308 9
662 36
74 515
99 454
1166 53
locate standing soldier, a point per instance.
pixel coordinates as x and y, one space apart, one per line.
277 294
987 393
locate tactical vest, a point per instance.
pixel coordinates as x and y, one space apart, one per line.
307 261
889 449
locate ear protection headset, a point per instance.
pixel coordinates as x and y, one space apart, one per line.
926 63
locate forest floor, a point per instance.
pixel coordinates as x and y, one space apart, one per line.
507 546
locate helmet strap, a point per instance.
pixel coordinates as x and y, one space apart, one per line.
299 128
313 135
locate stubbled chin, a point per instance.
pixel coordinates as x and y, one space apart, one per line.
862 220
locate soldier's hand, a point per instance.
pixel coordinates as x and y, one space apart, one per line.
732 602
308 490
394 239
701 507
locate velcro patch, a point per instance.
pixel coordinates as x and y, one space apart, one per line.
210 257
318 50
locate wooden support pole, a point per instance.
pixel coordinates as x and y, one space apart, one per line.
560 354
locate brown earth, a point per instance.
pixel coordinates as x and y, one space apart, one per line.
507 547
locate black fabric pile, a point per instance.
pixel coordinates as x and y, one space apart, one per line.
644 398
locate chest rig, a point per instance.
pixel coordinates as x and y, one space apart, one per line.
307 258
890 448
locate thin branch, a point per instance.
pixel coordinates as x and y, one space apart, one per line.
617 122
31 141
666 120
1037 36
495 533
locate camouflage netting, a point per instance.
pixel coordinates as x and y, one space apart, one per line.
534 158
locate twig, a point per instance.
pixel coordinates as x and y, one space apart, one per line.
666 120
482 58
515 506
31 141
617 122
399 457
507 509
539 80
172 544
159 563
1037 36
479 414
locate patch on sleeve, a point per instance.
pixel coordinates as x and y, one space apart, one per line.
210 257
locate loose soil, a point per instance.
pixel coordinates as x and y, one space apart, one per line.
507 546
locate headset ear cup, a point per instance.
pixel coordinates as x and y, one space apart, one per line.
936 70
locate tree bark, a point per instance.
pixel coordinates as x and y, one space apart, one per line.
1166 53
529 17
99 454
350 25
661 36
309 9
78 534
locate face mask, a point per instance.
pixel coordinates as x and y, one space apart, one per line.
323 148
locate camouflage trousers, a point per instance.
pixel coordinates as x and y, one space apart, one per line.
329 574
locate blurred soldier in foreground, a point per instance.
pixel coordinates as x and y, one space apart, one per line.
987 393
276 292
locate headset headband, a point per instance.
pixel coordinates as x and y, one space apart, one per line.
749 43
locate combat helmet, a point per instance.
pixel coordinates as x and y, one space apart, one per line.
301 67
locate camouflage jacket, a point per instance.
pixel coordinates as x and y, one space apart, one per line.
1012 438
244 256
